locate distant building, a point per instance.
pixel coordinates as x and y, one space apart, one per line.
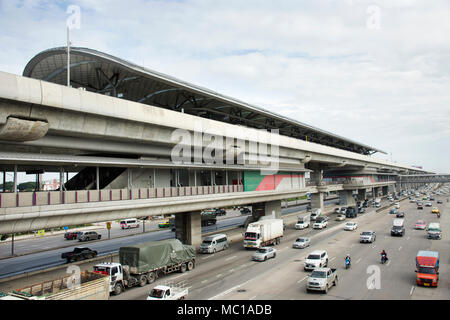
50 185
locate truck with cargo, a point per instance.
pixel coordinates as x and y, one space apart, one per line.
144 263
91 286
263 232
427 268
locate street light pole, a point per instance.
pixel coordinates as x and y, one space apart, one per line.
68 56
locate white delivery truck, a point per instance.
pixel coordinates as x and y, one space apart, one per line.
263 232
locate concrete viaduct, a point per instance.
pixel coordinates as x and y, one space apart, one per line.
137 153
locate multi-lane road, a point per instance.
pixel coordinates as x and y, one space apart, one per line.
41 253
231 274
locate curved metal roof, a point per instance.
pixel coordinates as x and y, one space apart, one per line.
102 73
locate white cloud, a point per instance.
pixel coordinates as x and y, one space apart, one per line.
314 61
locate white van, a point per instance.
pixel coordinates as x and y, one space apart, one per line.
398 227
214 243
129 223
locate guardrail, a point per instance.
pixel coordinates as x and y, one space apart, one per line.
40 198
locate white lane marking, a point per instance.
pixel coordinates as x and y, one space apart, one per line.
407 238
230 258
332 258
176 277
399 248
230 290
357 261
388 262
203 281
231 270
374 246
219 275
412 290
252 297
352 245
302 279
207 257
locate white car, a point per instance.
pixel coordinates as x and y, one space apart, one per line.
340 217
301 243
302 225
316 259
350 226
320 224
397 205
264 253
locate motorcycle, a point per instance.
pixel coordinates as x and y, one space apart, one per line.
383 259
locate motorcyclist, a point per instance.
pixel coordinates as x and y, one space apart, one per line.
384 256
348 260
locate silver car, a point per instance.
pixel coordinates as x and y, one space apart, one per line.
264 253
301 243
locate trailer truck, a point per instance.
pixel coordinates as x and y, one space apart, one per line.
144 263
263 232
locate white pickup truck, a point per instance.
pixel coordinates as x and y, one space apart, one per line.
322 279
162 292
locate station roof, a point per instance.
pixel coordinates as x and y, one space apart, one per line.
105 74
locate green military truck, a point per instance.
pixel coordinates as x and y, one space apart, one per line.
143 263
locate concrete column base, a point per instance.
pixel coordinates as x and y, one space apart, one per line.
273 208
317 201
362 194
384 190
188 228
346 198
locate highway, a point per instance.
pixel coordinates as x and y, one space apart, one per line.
53 246
232 274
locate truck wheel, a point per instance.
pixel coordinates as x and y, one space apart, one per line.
326 288
183 268
151 277
190 265
142 280
118 289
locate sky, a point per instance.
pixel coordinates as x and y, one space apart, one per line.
377 72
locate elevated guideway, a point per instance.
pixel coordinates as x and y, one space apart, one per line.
117 129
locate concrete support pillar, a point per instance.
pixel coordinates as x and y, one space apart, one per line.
317 201
188 228
97 177
273 208
4 181
384 190
346 198
397 187
361 194
375 192
15 178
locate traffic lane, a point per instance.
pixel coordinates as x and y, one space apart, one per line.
215 272
27 246
38 261
291 272
288 282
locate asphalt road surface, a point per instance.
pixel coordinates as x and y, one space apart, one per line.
231 274
53 246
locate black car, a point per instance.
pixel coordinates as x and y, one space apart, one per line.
351 212
419 206
400 214
79 253
245 210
